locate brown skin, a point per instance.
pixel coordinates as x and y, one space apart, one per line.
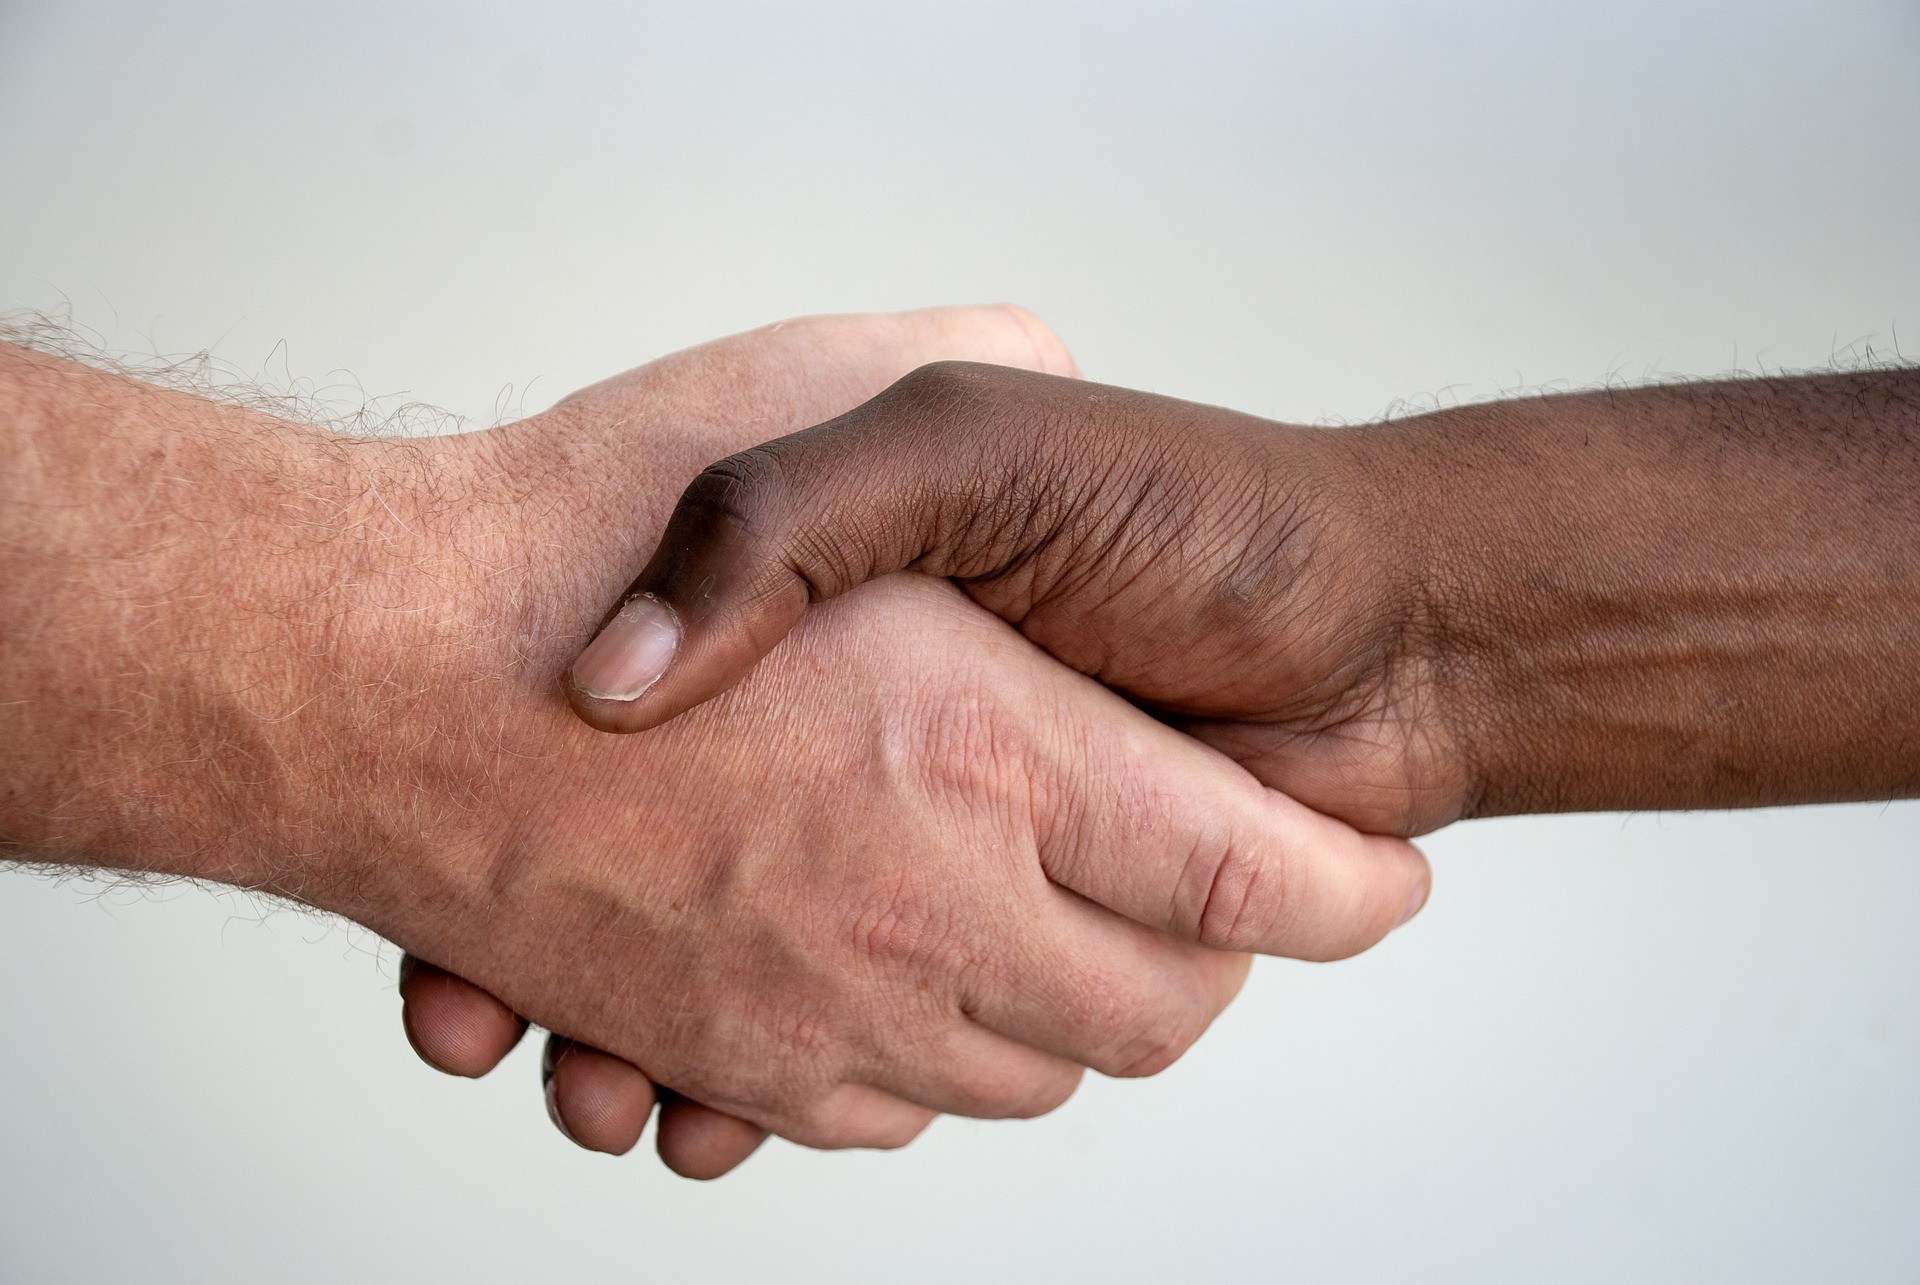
1701 595
1692 596
1705 595
912 866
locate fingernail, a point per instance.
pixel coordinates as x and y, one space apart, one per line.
1415 899
631 653
553 1113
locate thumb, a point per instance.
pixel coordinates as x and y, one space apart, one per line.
938 474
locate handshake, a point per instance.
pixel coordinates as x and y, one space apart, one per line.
986 726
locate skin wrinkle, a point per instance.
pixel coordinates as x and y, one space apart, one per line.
1527 605
365 766
1800 546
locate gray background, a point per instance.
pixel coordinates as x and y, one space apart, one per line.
1646 1047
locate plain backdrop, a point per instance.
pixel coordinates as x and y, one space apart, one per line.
1652 1047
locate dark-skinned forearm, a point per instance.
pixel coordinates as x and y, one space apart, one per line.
1698 595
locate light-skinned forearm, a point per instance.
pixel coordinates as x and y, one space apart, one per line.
777 907
179 579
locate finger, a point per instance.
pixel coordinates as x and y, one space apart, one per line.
956 470
732 393
452 1024
696 1141
1338 771
597 1100
1106 992
858 1115
974 1071
1165 831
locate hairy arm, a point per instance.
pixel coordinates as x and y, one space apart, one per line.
913 867
195 600
163 621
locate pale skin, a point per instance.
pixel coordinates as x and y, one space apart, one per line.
912 866
1698 595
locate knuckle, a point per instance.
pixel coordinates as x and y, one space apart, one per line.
941 385
902 928
831 1124
891 1137
1016 1092
926 407
972 748
1232 896
1033 342
999 467
824 1131
1155 1045
900 1132
1044 1095
739 492
766 1063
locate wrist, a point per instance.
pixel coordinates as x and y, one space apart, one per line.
1672 597
1392 711
1447 497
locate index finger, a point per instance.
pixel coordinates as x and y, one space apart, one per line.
1168 832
